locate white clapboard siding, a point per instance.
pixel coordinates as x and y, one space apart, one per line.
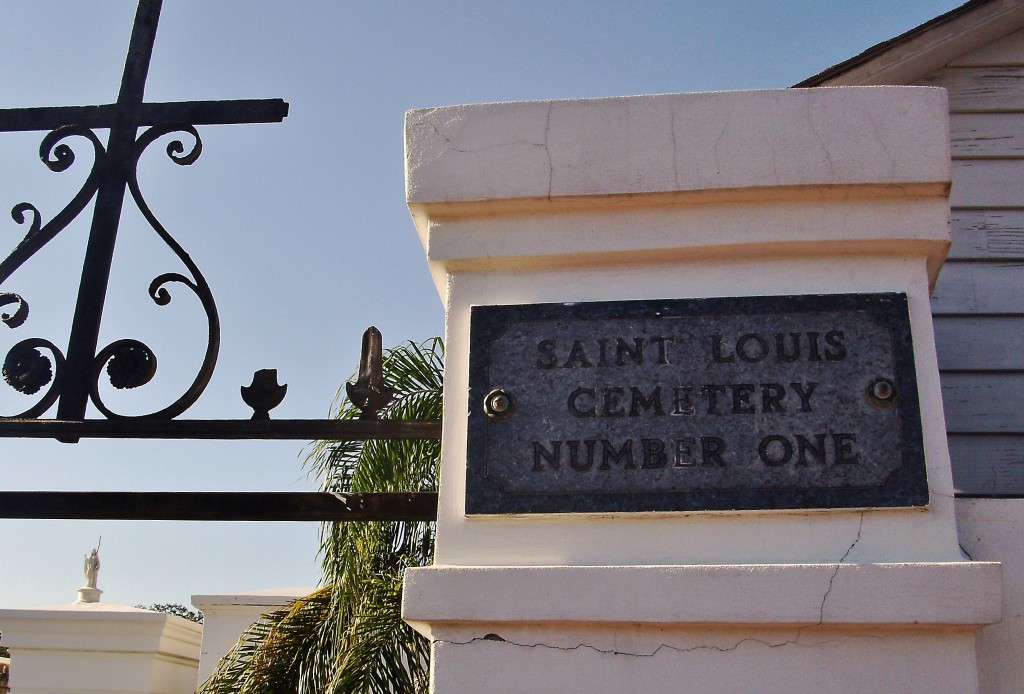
987 183
981 88
1007 51
994 287
978 301
987 134
983 403
985 464
987 234
989 343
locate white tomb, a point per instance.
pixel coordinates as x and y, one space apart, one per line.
766 193
100 648
227 616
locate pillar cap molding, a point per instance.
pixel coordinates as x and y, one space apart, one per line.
917 595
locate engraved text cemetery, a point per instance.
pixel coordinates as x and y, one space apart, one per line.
715 404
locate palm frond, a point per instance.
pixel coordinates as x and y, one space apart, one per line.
283 651
348 636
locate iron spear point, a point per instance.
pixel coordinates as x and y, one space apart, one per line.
370 393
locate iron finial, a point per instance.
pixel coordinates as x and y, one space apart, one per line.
264 393
370 393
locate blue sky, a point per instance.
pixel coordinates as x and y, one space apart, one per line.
301 227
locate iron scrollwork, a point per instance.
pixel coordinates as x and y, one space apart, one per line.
129 363
25 368
71 379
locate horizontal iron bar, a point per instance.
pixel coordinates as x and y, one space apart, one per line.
297 429
220 506
108 115
233 506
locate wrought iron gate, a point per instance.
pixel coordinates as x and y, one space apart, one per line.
70 379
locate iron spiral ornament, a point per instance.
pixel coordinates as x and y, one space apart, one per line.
25 367
131 363
35 364
71 379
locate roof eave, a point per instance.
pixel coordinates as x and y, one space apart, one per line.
926 48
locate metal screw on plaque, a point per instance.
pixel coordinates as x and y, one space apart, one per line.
498 404
882 392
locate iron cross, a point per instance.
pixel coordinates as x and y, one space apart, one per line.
123 118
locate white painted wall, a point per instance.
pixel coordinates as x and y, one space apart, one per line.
708 660
993 530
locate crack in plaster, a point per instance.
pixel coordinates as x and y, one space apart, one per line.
675 146
881 143
775 163
821 142
725 126
608 651
551 166
665 646
824 598
512 143
704 647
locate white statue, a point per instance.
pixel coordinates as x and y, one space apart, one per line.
91 567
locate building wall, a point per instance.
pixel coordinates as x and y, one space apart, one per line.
978 306
978 302
993 530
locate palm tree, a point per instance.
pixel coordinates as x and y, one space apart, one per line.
348 636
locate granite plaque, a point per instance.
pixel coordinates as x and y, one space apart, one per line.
782 402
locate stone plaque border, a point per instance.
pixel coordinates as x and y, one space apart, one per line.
906 486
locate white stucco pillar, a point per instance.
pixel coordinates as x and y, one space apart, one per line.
766 193
226 616
100 648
